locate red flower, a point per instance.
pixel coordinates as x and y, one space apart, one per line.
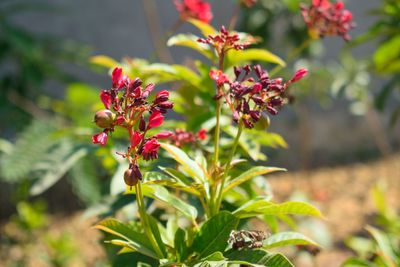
219 77
136 138
150 149
197 9
155 120
161 96
202 134
299 75
326 19
164 135
118 80
105 97
100 138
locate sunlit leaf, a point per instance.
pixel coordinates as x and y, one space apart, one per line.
287 238
104 61
190 166
248 175
205 28
259 257
132 238
190 41
235 57
214 233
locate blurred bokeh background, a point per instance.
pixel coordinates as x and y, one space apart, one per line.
342 136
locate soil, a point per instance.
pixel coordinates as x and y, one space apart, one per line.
342 194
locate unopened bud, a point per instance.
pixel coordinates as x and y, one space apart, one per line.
104 118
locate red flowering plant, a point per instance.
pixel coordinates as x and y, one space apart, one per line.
213 187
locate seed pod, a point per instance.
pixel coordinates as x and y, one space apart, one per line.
104 118
132 176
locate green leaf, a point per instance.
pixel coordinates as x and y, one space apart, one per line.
384 246
190 41
214 234
287 238
235 57
386 57
180 245
104 61
259 257
260 206
85 182
189 166
170 73
160 193
246 176
137 241
154 225
355 262
157 178
30 149
61 162
205 28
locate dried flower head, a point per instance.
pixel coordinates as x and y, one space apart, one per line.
196 9
324 18
126 105
249 96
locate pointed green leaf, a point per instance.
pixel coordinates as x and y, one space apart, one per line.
155 229
259 257
156 178
136 240
260 206
246 176
205 28
190 41
104 61
287 238
160 193
235 57
189 166
180 245
214 234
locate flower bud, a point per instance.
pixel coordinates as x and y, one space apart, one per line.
104 118
166 105
142 124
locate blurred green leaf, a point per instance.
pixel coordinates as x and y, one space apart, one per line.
190 41
235 57
104 61
205 28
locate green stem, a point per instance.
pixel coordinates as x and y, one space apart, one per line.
228 167
144 219
292 55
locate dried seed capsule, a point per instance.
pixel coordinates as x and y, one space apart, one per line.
104 118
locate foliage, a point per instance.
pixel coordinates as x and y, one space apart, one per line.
380 248
203 195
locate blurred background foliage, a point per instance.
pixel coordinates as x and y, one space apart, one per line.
44 137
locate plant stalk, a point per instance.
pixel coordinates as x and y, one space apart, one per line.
144 219
228 167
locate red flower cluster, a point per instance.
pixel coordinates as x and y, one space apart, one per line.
225 40
249 97
197 9
181 137
127 106
326 19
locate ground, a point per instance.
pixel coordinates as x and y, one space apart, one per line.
342 193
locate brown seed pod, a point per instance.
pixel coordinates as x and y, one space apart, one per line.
130 178
104 118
